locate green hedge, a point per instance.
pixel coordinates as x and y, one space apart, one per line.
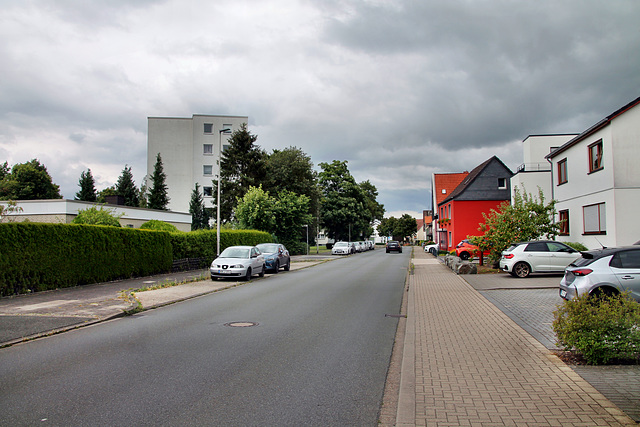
36 257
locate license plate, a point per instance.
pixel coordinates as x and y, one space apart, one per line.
563 293
224 272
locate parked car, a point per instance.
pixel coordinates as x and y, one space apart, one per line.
393 245
432 248
341 248
276 256
539 256
360 247
238 261
466 250
370 245
606 271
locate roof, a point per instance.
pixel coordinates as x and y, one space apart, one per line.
448 182
593 129
473 175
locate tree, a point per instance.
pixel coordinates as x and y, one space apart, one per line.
28 181
526 218
10 208
97 216
158 198
199 215
109 191
256 210
343 209
126 188
4 170
87 186
242 166
143 193
375 210
398 228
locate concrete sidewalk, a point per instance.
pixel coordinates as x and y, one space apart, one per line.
465 363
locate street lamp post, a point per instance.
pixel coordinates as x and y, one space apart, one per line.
218 199
307 227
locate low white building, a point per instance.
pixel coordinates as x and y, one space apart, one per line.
189 148
61 211
596 183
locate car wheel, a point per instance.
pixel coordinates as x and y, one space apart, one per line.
277 267
247 277
288 266
433 252
387 250
603 293
522 270
464 256
264 267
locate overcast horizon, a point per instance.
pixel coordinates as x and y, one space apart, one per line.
399 89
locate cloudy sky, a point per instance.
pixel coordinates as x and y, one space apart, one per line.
399 89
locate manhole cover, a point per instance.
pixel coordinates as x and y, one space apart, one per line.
241 324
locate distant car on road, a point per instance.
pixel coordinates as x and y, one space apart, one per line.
393 245
606 271
238 261
276 256
539 256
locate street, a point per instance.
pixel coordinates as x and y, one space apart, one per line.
309 347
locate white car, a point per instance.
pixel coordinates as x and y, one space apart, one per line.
238 261
432 248
341 248
538 256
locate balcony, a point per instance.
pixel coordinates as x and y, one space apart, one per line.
534 167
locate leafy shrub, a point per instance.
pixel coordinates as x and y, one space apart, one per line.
157 225
577 246
97 216
600 329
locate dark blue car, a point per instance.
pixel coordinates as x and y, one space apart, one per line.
276 256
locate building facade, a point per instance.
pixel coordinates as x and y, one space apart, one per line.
596 184
190 149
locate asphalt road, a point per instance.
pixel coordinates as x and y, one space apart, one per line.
317 355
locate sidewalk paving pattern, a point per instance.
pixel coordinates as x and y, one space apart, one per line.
475 366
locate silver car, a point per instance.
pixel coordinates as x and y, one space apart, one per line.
238 261
606 271
341 248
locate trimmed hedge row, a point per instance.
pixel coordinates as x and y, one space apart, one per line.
36 257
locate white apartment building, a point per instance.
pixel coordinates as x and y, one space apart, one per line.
596 183
190 148
535 171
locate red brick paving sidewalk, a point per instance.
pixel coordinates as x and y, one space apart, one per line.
473 366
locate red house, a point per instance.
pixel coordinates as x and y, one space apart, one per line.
442 185
483 189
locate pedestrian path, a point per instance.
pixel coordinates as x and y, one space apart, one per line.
468 364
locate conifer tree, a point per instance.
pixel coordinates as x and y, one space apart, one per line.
126 188
199 215
158 198
87 186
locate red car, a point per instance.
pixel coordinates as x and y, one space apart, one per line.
466 250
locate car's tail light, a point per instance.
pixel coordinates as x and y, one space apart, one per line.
581 271
508 256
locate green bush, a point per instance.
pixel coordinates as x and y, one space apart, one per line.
157 225
97 216
203 243
601 329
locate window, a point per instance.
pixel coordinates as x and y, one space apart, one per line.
207 191
537 247
626 259
208 128
594 219
595 156
228 127
564 222
225 147
502 183
562 171
207 149
207 170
